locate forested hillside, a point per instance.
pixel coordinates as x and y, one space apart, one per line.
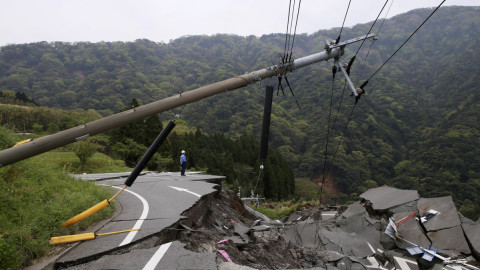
417 127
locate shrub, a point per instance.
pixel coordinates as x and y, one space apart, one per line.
85 150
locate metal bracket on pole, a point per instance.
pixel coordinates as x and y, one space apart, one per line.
350 41
352 87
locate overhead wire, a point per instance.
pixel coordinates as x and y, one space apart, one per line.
286 58
338 109
371 27
354 105
371 44
290 33
339 105
353 108
286 32
289 37
384 18
295 31
351 61
343 24
431 14
334 71
343 133
337 41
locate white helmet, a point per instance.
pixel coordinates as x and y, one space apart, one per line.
183 151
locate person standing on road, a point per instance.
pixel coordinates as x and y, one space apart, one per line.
183 162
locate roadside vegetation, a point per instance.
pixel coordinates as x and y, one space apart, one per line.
306 194
279 210
36 197
67 161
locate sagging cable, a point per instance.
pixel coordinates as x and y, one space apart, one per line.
416 30
291 91
280 86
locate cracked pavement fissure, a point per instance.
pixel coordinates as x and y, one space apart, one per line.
352 239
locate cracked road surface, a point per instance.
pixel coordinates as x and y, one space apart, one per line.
218 232
154 202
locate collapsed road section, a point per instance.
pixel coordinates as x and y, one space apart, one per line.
154 206
220 232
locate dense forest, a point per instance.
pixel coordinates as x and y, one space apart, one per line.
417 126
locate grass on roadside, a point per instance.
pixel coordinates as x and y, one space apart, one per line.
36 197
278 210
69 162
306 192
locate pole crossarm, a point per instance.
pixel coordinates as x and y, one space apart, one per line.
333 45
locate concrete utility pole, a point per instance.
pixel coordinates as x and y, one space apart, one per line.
50 142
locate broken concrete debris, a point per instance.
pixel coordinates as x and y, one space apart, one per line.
356 239
472 233
410 230
448 218
233 237
384 198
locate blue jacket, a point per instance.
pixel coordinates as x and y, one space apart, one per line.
183 158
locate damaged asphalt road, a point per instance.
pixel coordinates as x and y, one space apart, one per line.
219 232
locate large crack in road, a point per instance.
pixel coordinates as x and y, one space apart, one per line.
219 232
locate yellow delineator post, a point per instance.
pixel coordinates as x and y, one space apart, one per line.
81 237
22 142
92 210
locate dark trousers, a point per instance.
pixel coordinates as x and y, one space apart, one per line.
184 166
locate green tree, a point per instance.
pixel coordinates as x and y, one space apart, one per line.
84 150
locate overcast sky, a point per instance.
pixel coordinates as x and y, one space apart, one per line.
25 21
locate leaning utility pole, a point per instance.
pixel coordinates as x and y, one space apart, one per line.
50 142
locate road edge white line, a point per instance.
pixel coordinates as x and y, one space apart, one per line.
186 190
139 222
371 248
152 263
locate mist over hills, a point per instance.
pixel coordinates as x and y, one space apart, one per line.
417 127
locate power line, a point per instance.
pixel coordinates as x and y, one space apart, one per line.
290 33
295 31
363 41
384 18
334 71
289 38
287 56
343 133
286 33
371 44
344 18
365 83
